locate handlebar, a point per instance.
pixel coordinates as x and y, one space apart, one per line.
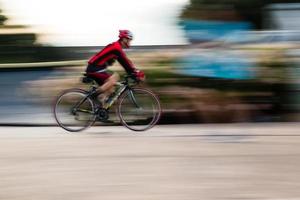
129 77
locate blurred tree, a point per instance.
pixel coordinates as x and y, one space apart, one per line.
230 10
18 44
15 35
2 18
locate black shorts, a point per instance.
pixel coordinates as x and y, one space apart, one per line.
100 75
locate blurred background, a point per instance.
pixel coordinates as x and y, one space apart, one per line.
210 61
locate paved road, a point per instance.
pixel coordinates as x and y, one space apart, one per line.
187 162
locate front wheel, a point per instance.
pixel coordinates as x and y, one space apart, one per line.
138 109
74 111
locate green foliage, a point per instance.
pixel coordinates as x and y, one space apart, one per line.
18 45
26 39
2 18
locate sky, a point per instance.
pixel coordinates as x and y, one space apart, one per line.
96 22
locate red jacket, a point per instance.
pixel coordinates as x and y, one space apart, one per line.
107 57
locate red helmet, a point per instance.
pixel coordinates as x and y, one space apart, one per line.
125 34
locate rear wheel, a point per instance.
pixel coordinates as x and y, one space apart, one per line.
74 111
138 109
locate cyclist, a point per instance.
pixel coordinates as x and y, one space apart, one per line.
98 64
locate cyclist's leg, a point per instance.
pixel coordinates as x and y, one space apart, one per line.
109 86
106 81
101 78
109 83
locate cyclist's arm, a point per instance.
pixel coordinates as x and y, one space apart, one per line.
125 62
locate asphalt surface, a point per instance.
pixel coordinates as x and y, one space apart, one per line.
186 162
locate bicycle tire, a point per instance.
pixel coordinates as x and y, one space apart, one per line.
74 126
135 111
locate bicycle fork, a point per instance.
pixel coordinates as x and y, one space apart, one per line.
133 99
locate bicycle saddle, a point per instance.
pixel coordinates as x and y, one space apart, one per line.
87 79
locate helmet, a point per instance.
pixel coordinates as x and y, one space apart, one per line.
125 34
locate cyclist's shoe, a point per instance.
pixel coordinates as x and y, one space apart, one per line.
109 99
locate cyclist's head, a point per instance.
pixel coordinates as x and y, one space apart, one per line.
125 36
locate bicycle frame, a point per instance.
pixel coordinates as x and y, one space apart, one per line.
122 87
75 108
86 102
120 90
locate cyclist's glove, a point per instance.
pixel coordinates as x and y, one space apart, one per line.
139 75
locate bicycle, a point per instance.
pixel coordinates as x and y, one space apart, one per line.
137 108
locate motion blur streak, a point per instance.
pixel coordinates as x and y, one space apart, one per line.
239 66
230 93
